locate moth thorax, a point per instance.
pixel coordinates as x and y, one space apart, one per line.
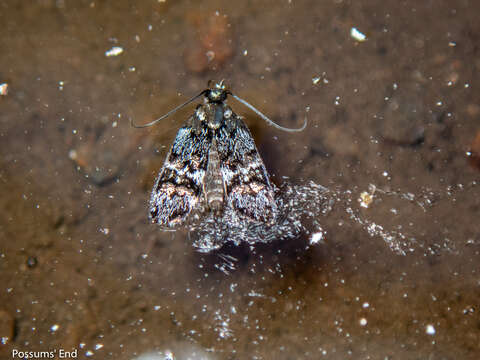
215 121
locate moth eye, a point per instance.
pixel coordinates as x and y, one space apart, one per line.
227 114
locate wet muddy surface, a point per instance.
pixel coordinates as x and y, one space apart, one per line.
386 266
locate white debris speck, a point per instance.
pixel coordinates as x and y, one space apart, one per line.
316 80
245 52
114 51
363 322
253 293
365 305
365 199
430 329
210 55
98 346
72 154
54 328
3 89
357 35
316 238
104 231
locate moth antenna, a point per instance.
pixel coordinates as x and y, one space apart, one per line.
167 114
267 120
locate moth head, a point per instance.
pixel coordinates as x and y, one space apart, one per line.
216 92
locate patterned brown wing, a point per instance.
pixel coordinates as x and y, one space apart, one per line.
178 187
247 184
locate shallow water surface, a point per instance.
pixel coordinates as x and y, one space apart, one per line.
378 257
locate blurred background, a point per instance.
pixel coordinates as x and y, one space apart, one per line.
391 90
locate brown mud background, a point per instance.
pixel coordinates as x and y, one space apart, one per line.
81 268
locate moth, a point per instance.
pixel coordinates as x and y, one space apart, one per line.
213 166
